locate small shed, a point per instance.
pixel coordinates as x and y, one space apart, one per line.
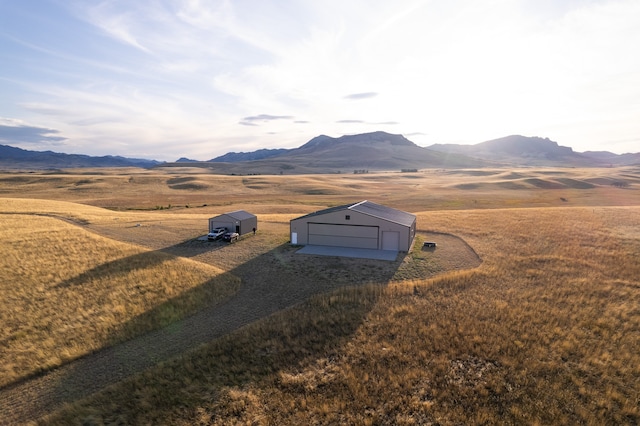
238 221
364 225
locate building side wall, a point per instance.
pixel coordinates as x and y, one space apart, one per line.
248 225
411 236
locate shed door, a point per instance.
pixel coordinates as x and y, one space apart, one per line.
390 240
328 234
216 224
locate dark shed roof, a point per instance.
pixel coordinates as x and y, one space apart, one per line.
371 209
240 215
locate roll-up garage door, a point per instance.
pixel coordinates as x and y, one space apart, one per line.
327 234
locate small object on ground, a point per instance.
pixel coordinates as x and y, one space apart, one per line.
429 244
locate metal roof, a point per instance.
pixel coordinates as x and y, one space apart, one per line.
238 215
384 212
371 209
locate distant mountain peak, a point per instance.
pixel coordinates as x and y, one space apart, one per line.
371 138
518 144
523 150
371 151
261 154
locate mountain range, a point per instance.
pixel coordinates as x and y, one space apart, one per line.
367 151
370 151
17 158
535 151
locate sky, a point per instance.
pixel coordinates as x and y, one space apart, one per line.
165 79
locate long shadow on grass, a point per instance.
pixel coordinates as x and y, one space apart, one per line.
225 376
144 260
270 282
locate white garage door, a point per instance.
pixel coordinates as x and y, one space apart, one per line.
328 234
390 240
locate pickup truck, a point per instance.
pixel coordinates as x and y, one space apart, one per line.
230 237
216 233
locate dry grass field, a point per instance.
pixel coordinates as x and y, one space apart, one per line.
66 291
176 188
546 330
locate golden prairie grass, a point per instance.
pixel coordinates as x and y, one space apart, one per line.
545 331
66 292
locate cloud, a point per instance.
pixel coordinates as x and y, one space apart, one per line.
359 96
28 134
137 77
374 123
247 123
252 120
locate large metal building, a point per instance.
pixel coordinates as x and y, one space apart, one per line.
238 221
361 225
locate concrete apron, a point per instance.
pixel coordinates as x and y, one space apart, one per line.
390 255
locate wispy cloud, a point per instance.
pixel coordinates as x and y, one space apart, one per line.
359 96
374 123
253 120
116 23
